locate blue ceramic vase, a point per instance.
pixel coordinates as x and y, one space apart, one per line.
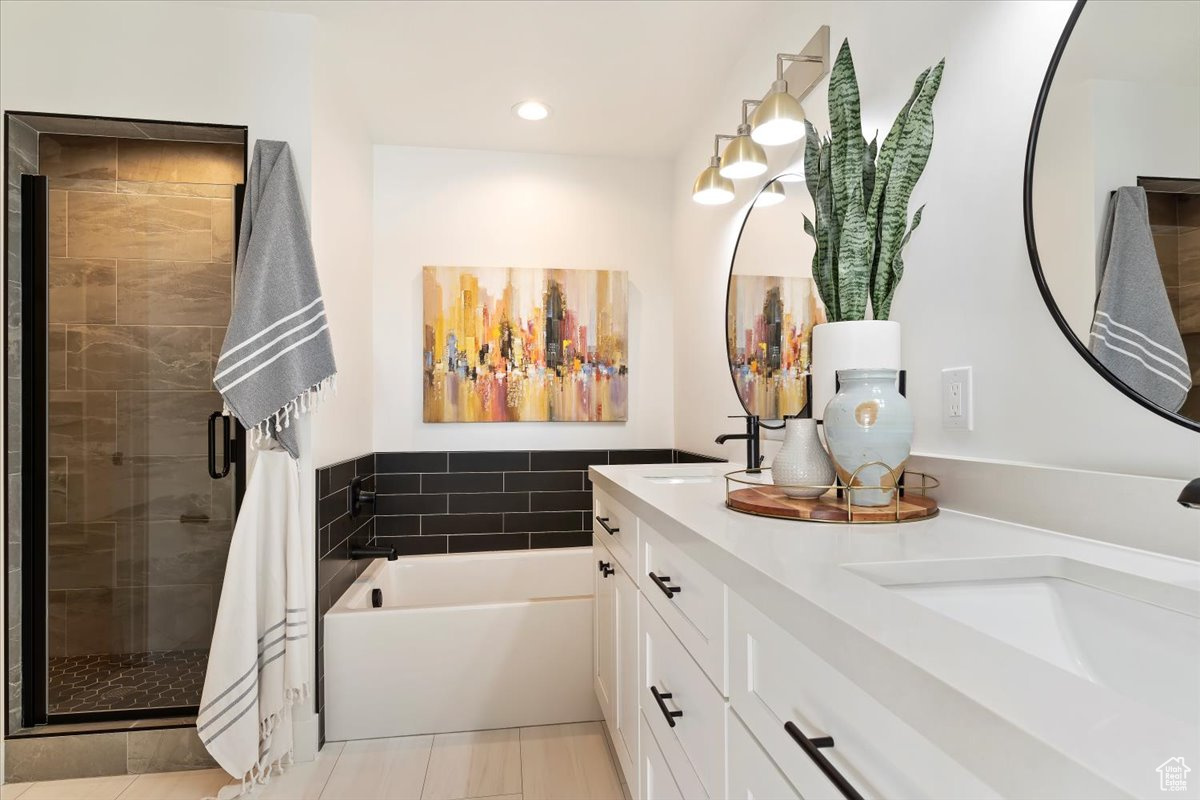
869 420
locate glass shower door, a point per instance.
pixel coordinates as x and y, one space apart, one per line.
139 282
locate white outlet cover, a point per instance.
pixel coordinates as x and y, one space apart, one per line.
956 399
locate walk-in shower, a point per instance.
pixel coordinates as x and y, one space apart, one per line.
123 479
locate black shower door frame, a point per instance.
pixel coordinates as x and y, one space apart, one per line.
35 435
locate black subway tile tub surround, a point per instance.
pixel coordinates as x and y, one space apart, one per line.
458 502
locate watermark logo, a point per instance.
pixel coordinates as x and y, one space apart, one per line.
1172 775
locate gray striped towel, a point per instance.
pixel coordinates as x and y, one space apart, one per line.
1134 332
277 359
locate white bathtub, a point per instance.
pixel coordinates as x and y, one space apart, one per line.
462 642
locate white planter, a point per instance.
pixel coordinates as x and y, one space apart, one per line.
861 344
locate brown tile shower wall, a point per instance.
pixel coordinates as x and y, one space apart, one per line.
22 159
140 290
1175 224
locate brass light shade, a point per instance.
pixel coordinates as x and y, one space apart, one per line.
779 118
711 188
744 157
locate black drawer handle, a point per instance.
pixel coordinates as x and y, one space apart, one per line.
604 524
606 568
661 583
812 749
661 698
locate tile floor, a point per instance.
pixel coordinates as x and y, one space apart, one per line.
552 762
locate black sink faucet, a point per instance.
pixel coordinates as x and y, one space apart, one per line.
753 459
360 551
1190 496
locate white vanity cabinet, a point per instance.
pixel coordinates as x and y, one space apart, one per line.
705 697
615 671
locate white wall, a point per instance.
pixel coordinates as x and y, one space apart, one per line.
968 296
341 213
171 61
441 207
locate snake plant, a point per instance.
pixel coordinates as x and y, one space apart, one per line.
861 191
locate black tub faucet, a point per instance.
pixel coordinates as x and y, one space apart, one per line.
361 551
1190 496
753 458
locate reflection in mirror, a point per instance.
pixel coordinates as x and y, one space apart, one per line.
1115 198
772 302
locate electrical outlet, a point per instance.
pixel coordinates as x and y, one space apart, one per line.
956 399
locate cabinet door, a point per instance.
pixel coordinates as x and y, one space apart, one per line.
626 737
752 774
605 631
655 781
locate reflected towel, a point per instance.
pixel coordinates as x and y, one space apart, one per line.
1134 332
260 658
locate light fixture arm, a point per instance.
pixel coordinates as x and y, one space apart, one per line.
782 57
717 144
745 126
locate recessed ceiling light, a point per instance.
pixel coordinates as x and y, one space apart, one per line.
531 110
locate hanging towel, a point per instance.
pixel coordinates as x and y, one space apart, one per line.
277 359
1134 332
259 664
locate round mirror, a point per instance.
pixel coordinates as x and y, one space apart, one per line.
1112 197
771 303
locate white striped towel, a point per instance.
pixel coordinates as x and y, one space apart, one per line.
260 660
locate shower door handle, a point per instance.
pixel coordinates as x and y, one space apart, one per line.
212 445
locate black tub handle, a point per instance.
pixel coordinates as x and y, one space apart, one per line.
661 583
661 698
604 524
212 445
812 749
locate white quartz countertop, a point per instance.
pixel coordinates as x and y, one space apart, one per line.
1023 725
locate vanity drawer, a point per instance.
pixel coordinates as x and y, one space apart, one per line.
689 598
775 681
752 773
685 713
655 781
617 527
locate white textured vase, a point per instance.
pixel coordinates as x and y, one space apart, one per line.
802 460
859 344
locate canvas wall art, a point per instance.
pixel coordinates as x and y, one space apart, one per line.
769 334
525 345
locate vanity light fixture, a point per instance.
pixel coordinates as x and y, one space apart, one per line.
531 110
771 195
779 118
744 157
711 187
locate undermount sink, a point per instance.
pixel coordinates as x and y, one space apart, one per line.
1134 635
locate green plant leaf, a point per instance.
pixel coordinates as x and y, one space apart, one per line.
812 158
913 144
846 171
885 306
852 260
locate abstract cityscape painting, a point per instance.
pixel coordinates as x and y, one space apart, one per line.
525 345
769 334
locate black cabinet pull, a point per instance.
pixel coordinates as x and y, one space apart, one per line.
661 698
661 583
812 749
604 524
606 568
212 445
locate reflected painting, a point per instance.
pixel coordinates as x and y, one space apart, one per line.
769 335
525 345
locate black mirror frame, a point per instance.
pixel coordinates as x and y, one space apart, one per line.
1031 241
729 289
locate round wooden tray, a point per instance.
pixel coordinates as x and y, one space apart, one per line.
770 501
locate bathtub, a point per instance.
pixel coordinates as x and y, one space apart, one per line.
462 642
